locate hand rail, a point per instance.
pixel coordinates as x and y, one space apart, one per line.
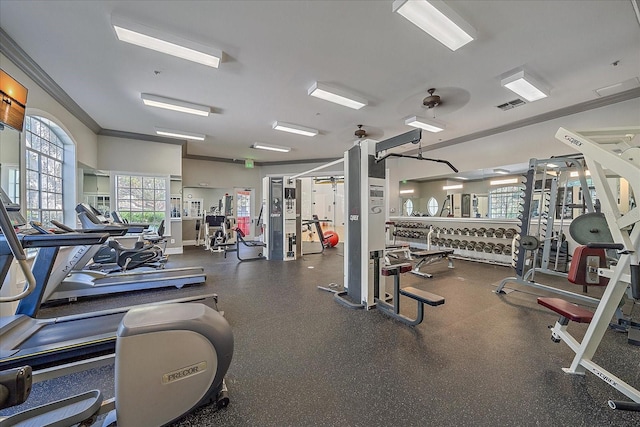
18 253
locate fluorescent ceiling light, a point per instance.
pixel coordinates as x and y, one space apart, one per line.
438 20
428 125
180 134
174 105
452 187
504 181
525 86
501 171
410 191
291 128
619 87
576 174
279 148
153 39
337 96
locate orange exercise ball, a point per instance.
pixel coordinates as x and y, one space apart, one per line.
330 238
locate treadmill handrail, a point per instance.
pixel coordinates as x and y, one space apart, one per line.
18 253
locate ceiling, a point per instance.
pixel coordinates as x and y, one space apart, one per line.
275 50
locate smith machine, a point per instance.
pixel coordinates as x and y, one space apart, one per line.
365 204
546 205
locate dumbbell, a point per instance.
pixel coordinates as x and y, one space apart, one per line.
447 243
488 248
479 246
498 248
489 232
481 231
506 250
499 233
471 245
509 233
473 231
455 244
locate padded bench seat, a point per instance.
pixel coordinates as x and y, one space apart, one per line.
567 309
395 269
422 296
440 252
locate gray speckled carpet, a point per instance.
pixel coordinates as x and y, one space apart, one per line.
301 359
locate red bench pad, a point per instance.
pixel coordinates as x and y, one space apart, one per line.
567 309
393 270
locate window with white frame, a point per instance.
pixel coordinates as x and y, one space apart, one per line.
13 187
44 170
504 202
141 198
432 206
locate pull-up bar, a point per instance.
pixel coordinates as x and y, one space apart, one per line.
412 137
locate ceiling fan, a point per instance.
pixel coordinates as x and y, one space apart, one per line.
447 99
432 100
370 132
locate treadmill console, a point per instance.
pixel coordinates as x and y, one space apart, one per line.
13 209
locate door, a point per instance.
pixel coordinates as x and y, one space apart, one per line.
243 207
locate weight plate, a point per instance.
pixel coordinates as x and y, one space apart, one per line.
529 243
590 228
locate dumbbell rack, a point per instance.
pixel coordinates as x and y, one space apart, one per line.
477 239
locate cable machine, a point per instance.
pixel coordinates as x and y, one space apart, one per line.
365 215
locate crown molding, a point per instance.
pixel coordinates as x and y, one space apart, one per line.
10 49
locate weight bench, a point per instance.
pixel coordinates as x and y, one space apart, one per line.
250 244
429 257
422 297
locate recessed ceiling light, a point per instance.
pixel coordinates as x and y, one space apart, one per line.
504 181
438 20
337 96
150 38
174 105
409 191
619 87
271 147
180 134
297 129
452 187
525 85
426 124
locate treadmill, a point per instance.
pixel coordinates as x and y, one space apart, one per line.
70 282
42 343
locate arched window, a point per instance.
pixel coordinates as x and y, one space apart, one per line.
432 206
47 146
408 207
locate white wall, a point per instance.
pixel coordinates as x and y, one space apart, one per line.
40 101
132 155
219 174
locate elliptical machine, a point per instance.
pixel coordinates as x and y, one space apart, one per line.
157 380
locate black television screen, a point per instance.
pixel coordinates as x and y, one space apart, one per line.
14 102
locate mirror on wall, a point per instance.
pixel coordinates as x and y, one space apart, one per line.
496 193
96 189
198 201
464 195
10 163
